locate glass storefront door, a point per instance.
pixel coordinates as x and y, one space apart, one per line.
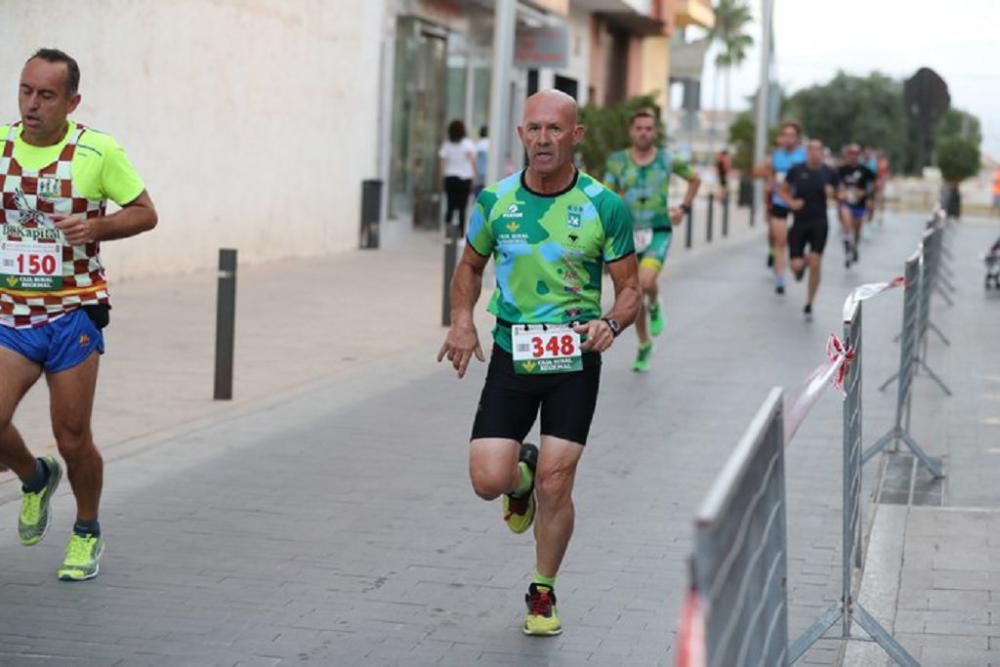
418 120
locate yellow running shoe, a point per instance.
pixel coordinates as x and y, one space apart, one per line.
35 517
83 558
542 619
519 511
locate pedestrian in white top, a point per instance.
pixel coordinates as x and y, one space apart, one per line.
458 166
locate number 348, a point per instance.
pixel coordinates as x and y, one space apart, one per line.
555 346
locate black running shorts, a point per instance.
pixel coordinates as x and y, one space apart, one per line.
779 211
510 402
811 233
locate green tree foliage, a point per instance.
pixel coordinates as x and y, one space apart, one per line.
958 158
607 130
732 18
741 138
961 124
870 110
741 135
853 109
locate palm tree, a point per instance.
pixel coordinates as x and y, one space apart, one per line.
731 19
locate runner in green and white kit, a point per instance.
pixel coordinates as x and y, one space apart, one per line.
550 230
641 175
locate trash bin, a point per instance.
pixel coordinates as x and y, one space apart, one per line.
745 197
371 213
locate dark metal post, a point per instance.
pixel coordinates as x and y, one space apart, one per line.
689 227
725 213
225 325
452 233
711 214
371 213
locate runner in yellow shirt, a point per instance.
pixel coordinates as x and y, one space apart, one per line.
56 177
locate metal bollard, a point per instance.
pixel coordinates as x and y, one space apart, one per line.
725 214
689 227
452 234
711 208
225 325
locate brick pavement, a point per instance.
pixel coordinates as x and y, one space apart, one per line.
331 521
939 587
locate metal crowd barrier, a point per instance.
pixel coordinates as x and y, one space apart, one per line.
847 610
930 250
740 556
740 553
933 261
909 360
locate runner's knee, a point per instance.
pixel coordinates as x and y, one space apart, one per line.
74 442
647 281
554 486
490 484
77 451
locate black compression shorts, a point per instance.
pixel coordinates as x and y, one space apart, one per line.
779 211
812 233
510 402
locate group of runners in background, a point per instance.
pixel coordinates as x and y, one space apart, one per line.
800 180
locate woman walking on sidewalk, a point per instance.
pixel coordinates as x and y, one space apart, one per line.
458 167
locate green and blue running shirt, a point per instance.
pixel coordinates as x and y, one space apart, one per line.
549 249
645 188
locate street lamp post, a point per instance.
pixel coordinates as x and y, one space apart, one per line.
760 138
504 23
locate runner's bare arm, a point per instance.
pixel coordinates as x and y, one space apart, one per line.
136 217
462 340
762 170
677 214
625 275
786 194
693 184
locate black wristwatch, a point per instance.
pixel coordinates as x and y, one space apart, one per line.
613 325
686 208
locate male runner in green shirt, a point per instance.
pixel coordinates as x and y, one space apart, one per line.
641 175
550 230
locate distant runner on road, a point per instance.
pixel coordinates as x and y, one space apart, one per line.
641 175
807 188
788 154
856 183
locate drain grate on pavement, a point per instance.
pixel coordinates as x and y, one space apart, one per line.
906 483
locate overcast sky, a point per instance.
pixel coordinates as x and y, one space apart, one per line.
959 39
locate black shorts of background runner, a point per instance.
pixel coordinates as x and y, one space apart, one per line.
779 211
457 192
803 233
510 402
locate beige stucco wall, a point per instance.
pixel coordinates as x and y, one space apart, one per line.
253 122
655 69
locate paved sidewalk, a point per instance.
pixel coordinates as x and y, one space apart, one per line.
933 569
326 515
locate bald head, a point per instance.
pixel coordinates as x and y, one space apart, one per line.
550 101
549 132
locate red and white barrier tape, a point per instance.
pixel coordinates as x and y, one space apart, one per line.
865 292
838 361
691 650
